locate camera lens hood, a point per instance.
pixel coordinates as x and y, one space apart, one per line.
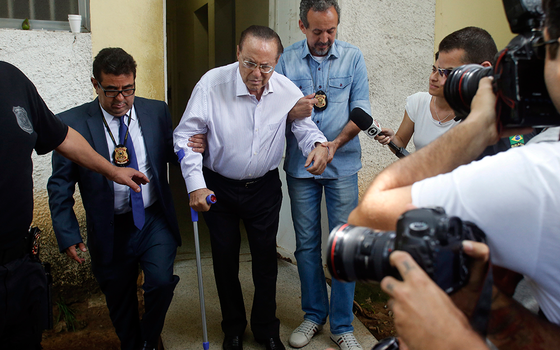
461 86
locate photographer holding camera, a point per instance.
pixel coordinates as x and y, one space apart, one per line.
511 196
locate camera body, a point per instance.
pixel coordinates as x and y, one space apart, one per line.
431 237
518 72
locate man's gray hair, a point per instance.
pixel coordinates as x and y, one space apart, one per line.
316 5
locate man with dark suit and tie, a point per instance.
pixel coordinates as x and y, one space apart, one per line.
124 230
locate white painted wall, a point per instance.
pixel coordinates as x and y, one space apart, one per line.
397 40
59 64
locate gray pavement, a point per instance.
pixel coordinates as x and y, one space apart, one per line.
183 326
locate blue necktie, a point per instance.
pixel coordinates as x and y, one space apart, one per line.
136 201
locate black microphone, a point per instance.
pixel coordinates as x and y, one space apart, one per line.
372 128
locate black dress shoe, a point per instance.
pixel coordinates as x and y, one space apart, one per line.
273 344
233 342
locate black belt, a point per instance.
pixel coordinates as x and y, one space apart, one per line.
240 183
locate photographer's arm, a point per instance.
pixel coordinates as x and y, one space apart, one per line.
387 196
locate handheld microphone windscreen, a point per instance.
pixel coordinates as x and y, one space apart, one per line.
365 122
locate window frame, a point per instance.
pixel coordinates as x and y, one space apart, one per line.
83 8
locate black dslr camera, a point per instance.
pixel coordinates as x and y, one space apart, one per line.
518 73
431 237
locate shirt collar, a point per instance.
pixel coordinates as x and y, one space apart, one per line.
241 88
333 51
109 117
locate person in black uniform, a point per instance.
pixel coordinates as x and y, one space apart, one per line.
26 123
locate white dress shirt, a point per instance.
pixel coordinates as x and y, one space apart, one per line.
122 192
245 136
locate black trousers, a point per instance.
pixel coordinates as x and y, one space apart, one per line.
257 202
23 304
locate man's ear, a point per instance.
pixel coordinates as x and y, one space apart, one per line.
94 83
302 27
486 64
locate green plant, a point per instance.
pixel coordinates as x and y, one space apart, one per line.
67 314
25 24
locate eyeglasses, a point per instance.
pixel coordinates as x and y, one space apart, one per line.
115 93
540 45
442 72
263 68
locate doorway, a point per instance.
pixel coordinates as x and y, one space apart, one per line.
201 35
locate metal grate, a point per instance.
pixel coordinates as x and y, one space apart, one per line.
43 14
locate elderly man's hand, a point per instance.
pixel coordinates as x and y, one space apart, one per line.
319 157
197 199
425 317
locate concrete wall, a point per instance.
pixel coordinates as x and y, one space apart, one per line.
59 64
396 38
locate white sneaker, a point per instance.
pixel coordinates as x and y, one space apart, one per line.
346 341
302 335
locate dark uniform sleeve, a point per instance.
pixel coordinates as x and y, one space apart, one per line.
51 131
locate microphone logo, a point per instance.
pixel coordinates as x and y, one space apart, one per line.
374 129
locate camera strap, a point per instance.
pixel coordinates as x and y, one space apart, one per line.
481 313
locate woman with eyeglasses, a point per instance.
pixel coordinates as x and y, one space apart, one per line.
427 114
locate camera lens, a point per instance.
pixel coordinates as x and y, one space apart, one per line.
359 253
461 86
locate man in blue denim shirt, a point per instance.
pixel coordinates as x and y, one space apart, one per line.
333 76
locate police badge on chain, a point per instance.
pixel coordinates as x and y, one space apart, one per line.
322 101
121 157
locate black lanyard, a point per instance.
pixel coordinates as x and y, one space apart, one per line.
121 154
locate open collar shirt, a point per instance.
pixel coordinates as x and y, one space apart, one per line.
245 136
122 192
343 77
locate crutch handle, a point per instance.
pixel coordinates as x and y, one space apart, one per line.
210 199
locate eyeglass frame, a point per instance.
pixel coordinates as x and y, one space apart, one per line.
540 51
252 66
442 72
117 91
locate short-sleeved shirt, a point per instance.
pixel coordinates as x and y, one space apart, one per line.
426 128
343 77
26 123
513 197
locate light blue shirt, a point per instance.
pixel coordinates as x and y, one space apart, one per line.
343 77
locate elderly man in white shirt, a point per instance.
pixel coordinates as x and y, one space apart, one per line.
243 108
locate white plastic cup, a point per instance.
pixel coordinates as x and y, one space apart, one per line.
75 23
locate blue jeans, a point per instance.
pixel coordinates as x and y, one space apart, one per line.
341 196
